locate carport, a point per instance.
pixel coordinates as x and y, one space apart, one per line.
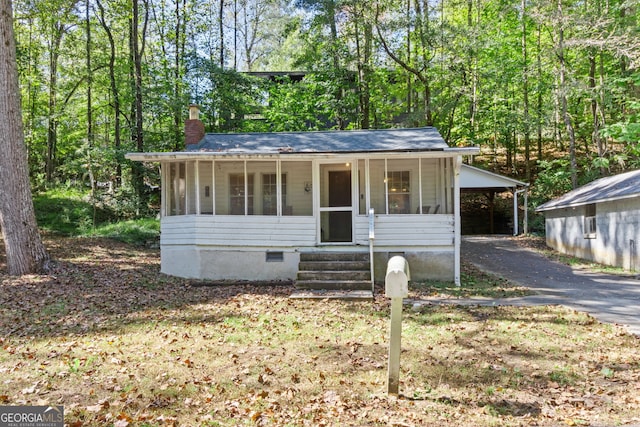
476 180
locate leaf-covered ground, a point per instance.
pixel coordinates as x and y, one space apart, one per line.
117 343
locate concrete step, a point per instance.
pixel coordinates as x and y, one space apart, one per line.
357 295
334 256
335 271
334 265
345 285
334 275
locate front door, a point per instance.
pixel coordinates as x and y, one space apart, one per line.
336 205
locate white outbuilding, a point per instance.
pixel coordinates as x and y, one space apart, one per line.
599 221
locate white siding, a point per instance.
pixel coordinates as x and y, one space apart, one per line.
257 231
205 170
407 230
298 174
615 241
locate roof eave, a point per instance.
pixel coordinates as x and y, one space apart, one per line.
542 207
193 155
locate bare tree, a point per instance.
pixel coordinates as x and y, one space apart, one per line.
24 248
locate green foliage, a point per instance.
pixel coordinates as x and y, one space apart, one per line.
554 179
292 107
138 232
73 212
628 132
464 60
68 211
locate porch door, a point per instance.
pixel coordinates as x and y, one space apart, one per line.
336 204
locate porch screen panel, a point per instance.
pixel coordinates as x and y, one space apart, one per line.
430 181
447 183
265 187
191 187
205 170
241 191
298 192
176 189
378 187
402 186
230 188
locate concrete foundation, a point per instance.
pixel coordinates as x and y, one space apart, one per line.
260 264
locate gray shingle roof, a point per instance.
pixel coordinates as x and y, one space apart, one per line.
622 186
416 139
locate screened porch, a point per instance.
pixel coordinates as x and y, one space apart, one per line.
282 187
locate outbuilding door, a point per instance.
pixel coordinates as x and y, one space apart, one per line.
336 203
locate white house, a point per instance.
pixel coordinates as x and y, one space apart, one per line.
599 221
248 206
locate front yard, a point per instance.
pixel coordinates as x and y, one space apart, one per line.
117 343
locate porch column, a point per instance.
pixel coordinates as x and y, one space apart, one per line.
456 215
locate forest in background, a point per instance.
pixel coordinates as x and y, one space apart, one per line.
548 89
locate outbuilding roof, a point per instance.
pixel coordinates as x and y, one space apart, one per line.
474 179
621 186
414 139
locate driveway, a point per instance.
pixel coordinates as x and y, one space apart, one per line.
609 298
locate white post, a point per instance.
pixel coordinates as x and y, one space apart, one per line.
396 288
526 213
372 235
457 230
395 334
515 212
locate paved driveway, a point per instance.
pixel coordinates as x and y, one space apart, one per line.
609 298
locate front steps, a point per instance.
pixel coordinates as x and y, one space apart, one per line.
343 275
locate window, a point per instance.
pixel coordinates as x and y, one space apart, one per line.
237 191
270 193
399 192
589 226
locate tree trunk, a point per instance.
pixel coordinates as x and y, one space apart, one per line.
562 90
364 67
89 101
595 108
179 46
114 92
25 251
422 14
89 76
409 77
539 89
136 134
220 23
525 95
52 128
473 74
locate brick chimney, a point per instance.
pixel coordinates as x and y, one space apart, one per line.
193 128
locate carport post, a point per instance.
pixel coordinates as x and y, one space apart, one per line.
515 210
